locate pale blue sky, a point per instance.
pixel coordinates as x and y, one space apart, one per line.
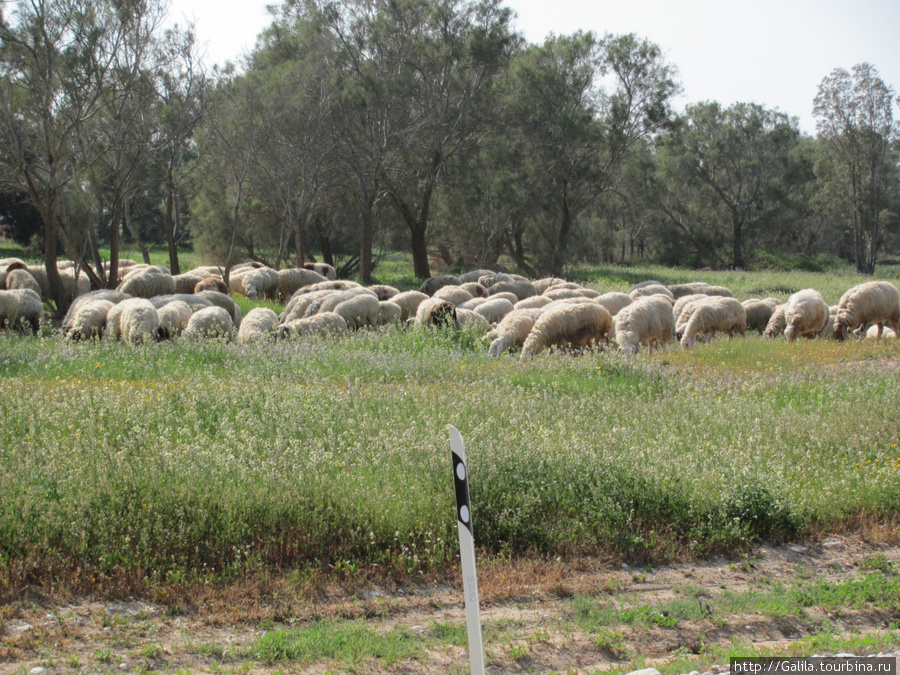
772 52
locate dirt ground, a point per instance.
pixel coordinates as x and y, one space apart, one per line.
526 613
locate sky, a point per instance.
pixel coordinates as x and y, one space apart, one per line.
771 52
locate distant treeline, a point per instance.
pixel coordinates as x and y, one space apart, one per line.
427 125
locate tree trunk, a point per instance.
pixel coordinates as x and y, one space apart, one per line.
299 251
135 234
170 225
419 248
95 251
365 251
737 242
324 242
51 253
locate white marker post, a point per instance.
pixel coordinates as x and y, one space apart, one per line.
467 552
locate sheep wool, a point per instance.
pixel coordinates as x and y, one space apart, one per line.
545 284
148 282
409 302
652 289
430 286
614 301
22 279
261 283
326 323
470 321
383 292
455 294
389 313
225 302
299 304
322 268
758 314
211 322
475 289
513 330
436 312
681 303
805 315
187 282
134 321
173 318
291 279
495 309
88 321
360 311
211 284
874 302
21 307
648 320
582 324
536 302
692 288
777 322
259 325
712 315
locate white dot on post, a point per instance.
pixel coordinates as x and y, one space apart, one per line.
464 513
461 471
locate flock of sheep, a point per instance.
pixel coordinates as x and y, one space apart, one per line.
510 311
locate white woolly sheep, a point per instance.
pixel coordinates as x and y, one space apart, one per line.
22 279
495 309
360 311
299 304
88 321
805 315
644 284
719 290
409 302
777 322
475 289
614 301
211 322
470 321
436 312
758 314
322 268
259 325
692 288
827 331
21 307
680 305
383 292
173 318
192 300
147 282
561 293
260 283
472 304
7 265
520 288
513 330
291 279
648 321
389 313
429 286
225 302
874 302
505 295
652 289
454 294
333 299
545 284
874 333
536 302
581 324
187 282
474 276
713 315
326 323
211 284
341 285
134 321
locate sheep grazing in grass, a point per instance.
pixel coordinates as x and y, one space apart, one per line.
758 314
536 302
652 289
408 302
133 321
692 288
259 325
430 286
389 313
644 284
470 321
261 283
225 302
713 315
455 294
326 323
827 331
148 282
614 301
383 292
876 332
805 315
475 289
545 284
173 319
513 330
7 265
360 311
291 279
299 304
519 287
88 322
211 284
22 279
472 304
474 276
187 282
562 292
436 312
495 309
682 302
871 303
211 322
192 300
322 268
648 320
777 322
571 325
21 307
341 285
114 297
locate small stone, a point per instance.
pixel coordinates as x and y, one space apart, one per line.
38 670
799 549
833 544
645 671
845 655
694 672
24 627
716 669
625 566
123 666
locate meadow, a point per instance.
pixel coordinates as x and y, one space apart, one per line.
181 462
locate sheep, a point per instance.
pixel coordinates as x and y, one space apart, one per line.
648 321
262 282
389 313
652 289
383 292
719 290
211 284
73 285
473 276
876 333
187 282
712 315
560 293
20 279
758 314
147 283
429 286
211 322
173 318
359 311
88 321
192 300
582 324
114 297
545 284
475 289
454 294
225 302
258 326
322 268
520 288
827 331
7 265
805 315
536 302
409 302
777 322
341 285
299 304
495 309
874 302
21 305
334 298
472 304
470 321
773 302
436 312
293 278
134 321
692 288
326 323
513 330
682 303
643 284
614 301
491 278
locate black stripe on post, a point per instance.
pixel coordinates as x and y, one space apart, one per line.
461 484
